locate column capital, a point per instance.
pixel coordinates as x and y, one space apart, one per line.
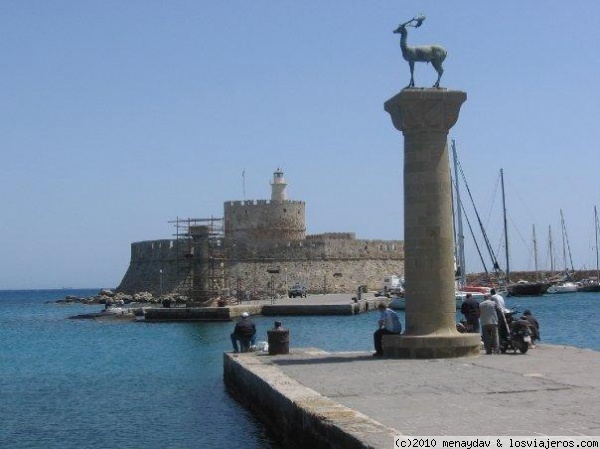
425 109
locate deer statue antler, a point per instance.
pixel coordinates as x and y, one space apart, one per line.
419 20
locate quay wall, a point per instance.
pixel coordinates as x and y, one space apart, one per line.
299 416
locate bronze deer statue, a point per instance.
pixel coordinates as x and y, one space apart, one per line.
423 53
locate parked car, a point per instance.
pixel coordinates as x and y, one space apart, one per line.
297 290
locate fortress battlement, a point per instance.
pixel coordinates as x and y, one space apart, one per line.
332 236
249 203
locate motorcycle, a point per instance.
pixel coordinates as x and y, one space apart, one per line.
514 333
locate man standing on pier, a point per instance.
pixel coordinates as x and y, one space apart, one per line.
470 309
388 324
489 325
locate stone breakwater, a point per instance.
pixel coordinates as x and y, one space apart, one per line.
112 298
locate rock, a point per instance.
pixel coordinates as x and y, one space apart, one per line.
107 292
143 297
123 297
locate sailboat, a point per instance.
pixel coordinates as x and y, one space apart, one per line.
593 285
478 292
565 284
521 288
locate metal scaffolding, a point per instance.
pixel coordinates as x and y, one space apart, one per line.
201 258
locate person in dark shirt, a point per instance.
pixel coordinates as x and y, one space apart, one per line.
244 333
470 309
534 326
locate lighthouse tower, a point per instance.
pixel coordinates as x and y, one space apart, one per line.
251 222
278 186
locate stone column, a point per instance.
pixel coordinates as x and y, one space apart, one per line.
425 116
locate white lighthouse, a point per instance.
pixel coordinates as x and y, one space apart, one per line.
278 186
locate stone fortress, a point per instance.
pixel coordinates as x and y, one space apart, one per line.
258 249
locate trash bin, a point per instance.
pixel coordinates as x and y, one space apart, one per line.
278 339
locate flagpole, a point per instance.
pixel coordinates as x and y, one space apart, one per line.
244 184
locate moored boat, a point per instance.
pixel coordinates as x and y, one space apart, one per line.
593 285
588 286
523 288
399 302
562 287
484 290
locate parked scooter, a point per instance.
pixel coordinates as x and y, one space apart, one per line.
514 333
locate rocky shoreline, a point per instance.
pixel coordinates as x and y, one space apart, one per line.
108 297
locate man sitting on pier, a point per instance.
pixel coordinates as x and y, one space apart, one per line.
388 324
244 332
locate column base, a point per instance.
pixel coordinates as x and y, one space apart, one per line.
431 346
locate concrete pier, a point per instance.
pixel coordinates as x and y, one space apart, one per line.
333 304
425 116
312 398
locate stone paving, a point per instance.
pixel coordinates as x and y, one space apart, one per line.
551 390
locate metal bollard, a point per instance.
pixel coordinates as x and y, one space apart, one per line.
278 339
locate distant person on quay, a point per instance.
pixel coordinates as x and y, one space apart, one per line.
244 333
470 309
534 327
489 326
389 324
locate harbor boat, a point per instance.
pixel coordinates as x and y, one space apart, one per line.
593 285
399 302
565 283
524 288
109 312
478 289
520 288
588 286
562 287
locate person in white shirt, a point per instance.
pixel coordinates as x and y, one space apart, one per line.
498 299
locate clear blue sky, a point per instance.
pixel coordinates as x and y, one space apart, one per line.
118 116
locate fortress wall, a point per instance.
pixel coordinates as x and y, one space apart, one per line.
359 249
319 248
147 259
331 276
265 220
153 250
338 264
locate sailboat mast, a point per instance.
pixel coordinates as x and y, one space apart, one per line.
562 225
459 225
597 226
505 225
566 246
535 256
550 250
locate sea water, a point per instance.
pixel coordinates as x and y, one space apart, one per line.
110 383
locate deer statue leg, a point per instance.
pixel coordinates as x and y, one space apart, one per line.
412 69
440 70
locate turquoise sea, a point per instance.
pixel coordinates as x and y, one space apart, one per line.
107 384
